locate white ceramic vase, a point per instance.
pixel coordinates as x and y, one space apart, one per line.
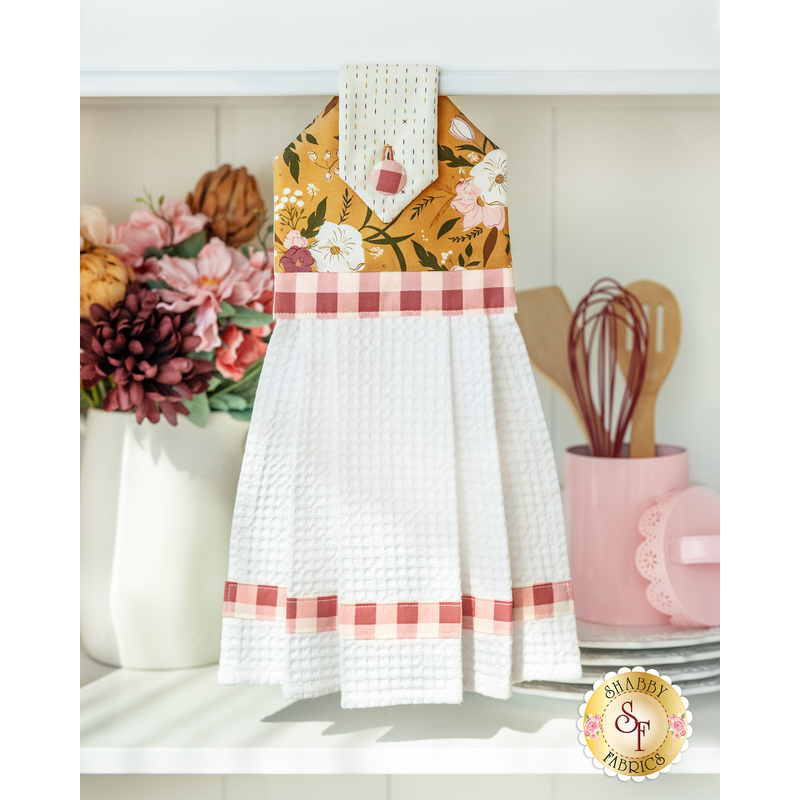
156 509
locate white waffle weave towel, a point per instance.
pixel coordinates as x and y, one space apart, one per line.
397 463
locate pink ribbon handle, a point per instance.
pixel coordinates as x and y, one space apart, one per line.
695 549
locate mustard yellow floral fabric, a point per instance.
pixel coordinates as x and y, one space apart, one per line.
459 222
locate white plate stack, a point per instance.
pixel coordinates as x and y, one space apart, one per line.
687 656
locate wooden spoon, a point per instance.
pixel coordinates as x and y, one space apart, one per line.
544 317
664 325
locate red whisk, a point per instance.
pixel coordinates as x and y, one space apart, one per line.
606 313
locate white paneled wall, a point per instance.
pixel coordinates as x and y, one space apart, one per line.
624 187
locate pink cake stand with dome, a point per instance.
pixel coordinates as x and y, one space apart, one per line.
679 556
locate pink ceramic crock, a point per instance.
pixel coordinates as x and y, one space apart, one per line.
604 499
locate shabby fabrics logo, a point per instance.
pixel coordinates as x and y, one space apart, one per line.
634 724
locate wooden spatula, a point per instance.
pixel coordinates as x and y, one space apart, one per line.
664 325
544 317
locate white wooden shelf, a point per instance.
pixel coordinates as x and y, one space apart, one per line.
183 722
258 84
506 48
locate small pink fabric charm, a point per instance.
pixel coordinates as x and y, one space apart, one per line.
388 177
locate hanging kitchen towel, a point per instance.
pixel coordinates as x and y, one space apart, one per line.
388 110
398 533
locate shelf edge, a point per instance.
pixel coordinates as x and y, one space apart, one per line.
249 84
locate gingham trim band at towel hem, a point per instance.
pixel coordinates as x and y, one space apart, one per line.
346 295
403 620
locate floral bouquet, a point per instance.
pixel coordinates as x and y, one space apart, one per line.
175 320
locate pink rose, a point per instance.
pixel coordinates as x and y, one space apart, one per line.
592 726
294 239
677 725
469 202
239 349
146 229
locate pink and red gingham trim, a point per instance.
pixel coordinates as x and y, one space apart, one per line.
342 295
407 620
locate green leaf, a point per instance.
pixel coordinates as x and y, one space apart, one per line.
428 260
475 232
447 227
199 409
204 355
245 415
346 202
226 309
292 160
400 257
155 252
417 209
472 148
451 159
228 402
189 248
460 259
249 318
310 138
315 220
214 383
468 251
157 285
236 403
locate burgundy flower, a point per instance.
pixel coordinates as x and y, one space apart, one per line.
145 350
297 259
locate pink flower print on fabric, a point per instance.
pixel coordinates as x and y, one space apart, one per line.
297 259
294 239
677 725
470 204
592 726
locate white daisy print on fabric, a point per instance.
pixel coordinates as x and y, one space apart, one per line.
491 178
338 248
